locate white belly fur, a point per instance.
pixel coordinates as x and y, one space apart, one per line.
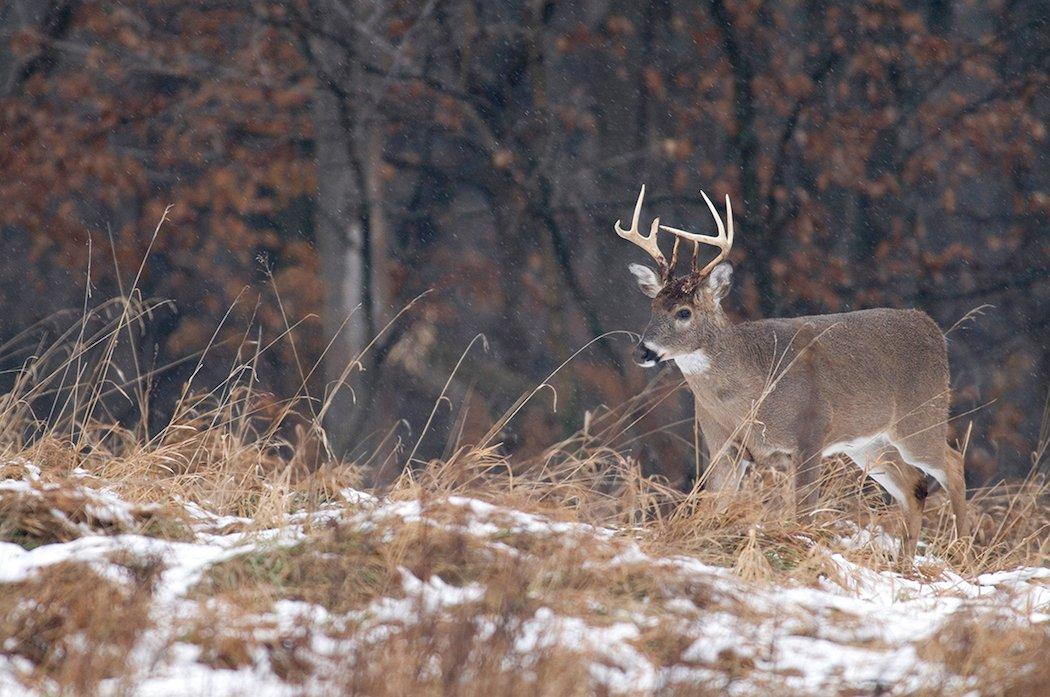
859 449
865 452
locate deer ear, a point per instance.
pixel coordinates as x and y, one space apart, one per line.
647 279
718 281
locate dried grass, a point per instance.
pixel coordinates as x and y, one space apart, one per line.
63 510
230 449
442 655
75 626
1000 658
339 567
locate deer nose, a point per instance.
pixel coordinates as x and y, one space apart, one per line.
645 356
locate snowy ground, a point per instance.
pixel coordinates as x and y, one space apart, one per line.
857 631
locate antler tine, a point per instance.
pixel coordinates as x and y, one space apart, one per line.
646 242
723 240
634 219
674 255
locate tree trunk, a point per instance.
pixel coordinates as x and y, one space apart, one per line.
339 235
378 229
762 246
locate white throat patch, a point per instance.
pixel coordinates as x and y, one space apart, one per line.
693 363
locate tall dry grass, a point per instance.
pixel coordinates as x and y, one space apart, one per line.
240 452
235 451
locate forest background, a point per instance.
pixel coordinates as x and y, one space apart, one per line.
328 162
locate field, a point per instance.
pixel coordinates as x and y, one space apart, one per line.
212 557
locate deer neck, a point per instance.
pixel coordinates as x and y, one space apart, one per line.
714 372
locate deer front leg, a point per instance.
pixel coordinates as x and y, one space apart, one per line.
725 468
806 463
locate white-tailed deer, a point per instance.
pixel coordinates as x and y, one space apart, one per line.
871 384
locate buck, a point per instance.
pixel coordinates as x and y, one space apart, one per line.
871 384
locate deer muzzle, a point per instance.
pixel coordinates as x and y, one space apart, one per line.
645 356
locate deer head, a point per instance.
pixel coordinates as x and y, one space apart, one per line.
687 311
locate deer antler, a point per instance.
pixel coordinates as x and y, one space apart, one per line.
724 240
648 242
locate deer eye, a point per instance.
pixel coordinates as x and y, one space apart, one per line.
683 313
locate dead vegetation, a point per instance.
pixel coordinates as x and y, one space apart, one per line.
576 537
73 626
999 658
40 513
592 561
448 655
339 567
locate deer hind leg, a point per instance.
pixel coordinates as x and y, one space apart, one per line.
929 451
957 490
907 485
